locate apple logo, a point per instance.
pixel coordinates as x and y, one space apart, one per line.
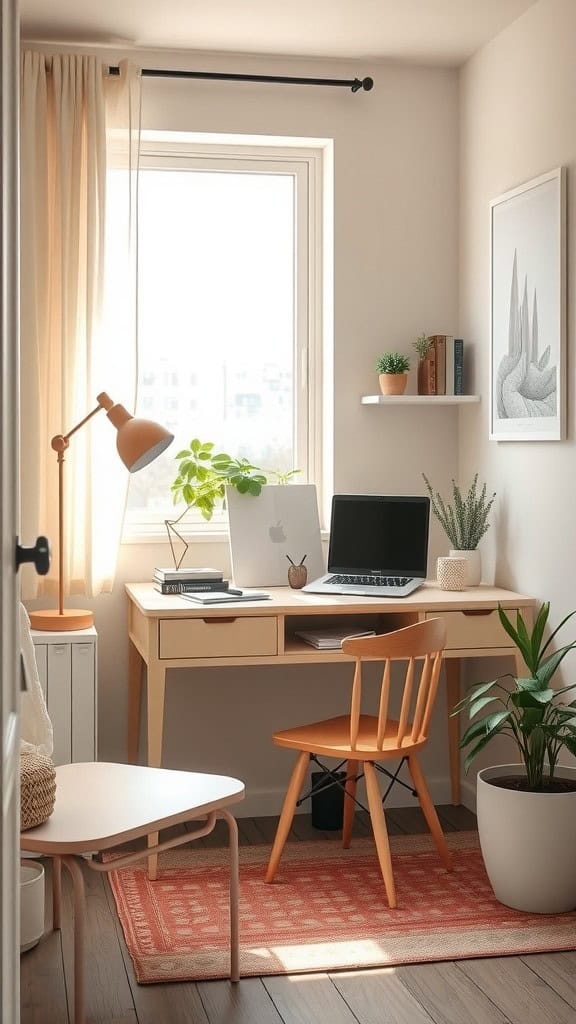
277 534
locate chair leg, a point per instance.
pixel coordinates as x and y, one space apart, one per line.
429 811
380 831
349 805
292 794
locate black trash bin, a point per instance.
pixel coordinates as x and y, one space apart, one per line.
327 801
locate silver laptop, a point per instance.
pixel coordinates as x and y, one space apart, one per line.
281 523
378 546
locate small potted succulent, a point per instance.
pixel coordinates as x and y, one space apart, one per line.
423 346
392 368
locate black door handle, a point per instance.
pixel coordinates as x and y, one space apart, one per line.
39 554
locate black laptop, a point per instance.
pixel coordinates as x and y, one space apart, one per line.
378 546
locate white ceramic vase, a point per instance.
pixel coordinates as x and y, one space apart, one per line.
528 842
473 565
31 904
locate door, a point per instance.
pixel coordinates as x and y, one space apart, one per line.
9 647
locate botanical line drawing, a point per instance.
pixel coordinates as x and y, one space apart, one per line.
526 386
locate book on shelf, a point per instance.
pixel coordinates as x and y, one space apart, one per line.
233 594
427 373
454 366
458 366
330 638
191 586
189 573
439 346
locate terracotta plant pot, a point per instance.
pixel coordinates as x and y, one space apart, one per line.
393 383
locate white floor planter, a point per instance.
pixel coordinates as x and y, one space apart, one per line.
528 843
473 565
31 904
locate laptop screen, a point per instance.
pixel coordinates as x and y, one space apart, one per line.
380 534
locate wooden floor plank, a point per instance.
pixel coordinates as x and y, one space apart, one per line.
245 1003
411 820
558 970
379 997
460 818
519 993
308 997
450 997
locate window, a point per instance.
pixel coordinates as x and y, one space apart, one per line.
229 310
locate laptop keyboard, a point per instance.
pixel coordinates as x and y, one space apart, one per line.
370 581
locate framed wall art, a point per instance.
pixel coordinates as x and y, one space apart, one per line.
528 311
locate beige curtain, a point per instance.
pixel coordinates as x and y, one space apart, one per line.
79 136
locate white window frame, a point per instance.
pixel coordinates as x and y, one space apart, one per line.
310 162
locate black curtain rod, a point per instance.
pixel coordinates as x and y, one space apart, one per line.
355 84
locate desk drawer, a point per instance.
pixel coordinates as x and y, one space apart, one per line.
218 637
474 628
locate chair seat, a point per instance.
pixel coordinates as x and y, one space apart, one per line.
332 739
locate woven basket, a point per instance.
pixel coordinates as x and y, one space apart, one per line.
37 789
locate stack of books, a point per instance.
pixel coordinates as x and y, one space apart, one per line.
442 372
331 638
187 581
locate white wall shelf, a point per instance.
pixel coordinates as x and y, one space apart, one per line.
419 399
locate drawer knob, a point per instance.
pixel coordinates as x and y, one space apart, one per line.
477 611
212 622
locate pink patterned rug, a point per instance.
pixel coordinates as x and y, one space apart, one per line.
326 911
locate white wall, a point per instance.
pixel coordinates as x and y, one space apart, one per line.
395 269
518 111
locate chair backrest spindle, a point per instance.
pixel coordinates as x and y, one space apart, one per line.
422 642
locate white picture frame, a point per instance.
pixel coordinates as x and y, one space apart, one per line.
528 311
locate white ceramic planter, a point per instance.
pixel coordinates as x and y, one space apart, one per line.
31 904
473 565
528 843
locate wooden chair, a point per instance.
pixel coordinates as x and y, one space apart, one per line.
100 806
365 740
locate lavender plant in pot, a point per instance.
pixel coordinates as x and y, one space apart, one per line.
527 811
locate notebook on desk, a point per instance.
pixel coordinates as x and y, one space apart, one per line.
378 546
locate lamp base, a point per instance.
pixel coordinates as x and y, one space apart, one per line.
54 621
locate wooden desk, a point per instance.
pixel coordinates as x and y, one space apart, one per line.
168 632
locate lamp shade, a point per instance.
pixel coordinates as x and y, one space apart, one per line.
139 441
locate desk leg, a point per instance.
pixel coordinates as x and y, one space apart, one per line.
156 691
452 667
234 887
79 935
135 664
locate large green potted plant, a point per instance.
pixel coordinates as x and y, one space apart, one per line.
527 811
464 522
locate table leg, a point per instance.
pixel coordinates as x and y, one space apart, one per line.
452 667
234 894
135 664
75 870
56 892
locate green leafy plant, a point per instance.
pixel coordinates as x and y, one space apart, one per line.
392 362
466 521
528 710
422 345
203 475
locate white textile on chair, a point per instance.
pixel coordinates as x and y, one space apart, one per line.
35 725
